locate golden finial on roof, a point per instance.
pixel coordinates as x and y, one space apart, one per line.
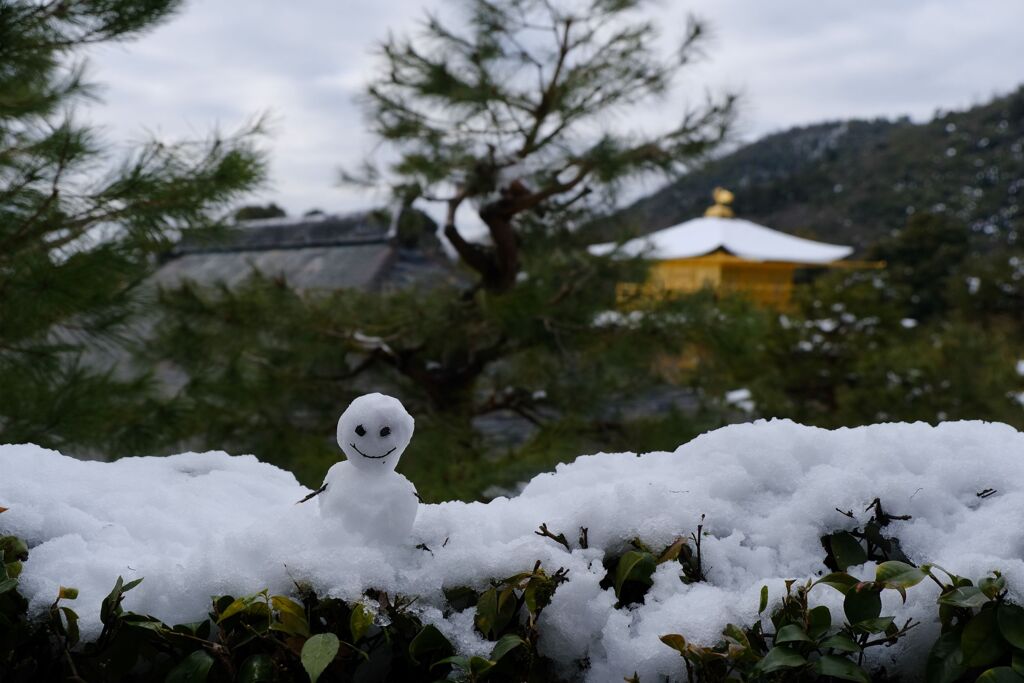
721 209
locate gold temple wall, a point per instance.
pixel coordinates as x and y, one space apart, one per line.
766 283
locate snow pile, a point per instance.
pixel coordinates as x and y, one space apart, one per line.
196 525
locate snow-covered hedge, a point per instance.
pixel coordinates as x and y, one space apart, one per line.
201 525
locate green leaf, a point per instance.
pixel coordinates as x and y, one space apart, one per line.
846 550
238 606
479 666
841 642
764 600
791 633
894 574
291 618
475 666
862 603
8 584
672 552
360 622
1000 674
966 596
317 653
292 625
1017 662
780 658
286 605
634 565
730 631
13 548
1010 619
72 625
875 625
841 581
110 606
992 585
429 645
64 593
455 660
494 610
945 661
840 667
197 629
819 621
193 669
530 595
256 669
676 642
506 645
980 641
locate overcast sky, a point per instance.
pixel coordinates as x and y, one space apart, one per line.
795 61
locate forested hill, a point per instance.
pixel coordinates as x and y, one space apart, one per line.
854 181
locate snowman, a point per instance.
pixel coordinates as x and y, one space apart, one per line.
364 493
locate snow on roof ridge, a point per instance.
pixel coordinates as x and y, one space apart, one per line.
743 238
291 220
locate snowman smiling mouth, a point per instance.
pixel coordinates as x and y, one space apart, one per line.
372 457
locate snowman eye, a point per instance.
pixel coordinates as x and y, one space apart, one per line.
385 431
360 431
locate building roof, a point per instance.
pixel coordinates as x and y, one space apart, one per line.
742 238
323 252
318 230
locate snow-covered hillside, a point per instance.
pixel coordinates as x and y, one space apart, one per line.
196 525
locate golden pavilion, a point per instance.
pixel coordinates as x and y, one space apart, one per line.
726 254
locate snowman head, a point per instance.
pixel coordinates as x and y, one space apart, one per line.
373 431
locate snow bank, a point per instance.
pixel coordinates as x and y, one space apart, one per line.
196 525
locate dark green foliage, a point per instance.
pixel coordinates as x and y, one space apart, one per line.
497 115
79 230
856 546
263 637
506 113
934 335
980 639
630 573
854 182
269 368
507 613
255 211
921 259
930 337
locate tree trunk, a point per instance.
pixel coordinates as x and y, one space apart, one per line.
498 215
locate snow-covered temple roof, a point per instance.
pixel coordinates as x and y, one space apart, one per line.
742 238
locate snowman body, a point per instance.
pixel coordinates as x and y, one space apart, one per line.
364 494
378 507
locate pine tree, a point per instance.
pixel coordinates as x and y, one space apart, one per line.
513 114
79 230
510 116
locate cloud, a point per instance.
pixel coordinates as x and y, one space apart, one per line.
795 61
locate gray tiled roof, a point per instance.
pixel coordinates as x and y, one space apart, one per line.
296 233
304 268
354 251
